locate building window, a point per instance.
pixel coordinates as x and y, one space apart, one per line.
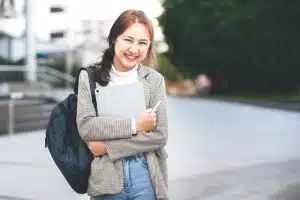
56 9
56 35
7 8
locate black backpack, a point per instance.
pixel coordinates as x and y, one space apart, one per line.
69 152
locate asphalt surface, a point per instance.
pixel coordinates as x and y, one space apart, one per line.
217 150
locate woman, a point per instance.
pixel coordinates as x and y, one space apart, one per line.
130 159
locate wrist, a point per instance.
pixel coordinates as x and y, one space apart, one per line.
137 125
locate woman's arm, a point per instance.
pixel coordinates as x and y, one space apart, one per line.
144 142
92 127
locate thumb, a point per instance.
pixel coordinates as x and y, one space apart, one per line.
148 110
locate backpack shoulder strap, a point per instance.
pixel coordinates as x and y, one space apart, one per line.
90 71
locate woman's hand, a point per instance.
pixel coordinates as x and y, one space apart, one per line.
146 122
97 148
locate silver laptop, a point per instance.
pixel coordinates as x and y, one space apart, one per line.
121 100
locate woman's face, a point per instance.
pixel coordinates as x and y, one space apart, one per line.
131 47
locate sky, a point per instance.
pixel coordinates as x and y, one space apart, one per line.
107 9
111 9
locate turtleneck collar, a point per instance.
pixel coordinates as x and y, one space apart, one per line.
122 74
121 78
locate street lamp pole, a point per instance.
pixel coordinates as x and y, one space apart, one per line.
31 64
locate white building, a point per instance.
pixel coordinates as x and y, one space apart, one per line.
55 29
12 26
62 25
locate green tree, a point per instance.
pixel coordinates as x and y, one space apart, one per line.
245 46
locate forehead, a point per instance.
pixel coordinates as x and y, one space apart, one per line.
137 31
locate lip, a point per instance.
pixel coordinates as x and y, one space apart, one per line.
130 58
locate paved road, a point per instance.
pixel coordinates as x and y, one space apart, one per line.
216 151
232 151
289 105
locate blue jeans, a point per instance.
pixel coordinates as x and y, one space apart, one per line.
137 182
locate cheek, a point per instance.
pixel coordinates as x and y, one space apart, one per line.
119 48
119 53
144 53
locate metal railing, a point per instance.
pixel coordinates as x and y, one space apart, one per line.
24 115
50 74
45 73
35 113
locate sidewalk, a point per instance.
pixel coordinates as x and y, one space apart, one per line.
28 172
216 151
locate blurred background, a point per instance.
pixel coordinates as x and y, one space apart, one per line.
232 78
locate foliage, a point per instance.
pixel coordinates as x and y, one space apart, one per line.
245 46
165 67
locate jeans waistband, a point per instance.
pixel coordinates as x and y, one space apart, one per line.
134 156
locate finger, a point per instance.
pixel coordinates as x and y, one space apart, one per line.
152 114
148 110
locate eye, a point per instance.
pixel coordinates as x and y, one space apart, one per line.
143 43
128 40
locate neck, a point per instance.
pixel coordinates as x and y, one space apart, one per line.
119 67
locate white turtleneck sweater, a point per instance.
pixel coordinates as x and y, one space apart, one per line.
122 78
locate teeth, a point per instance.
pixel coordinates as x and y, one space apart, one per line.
131 57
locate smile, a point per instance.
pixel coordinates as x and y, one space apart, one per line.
130 57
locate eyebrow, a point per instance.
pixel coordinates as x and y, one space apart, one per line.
143 40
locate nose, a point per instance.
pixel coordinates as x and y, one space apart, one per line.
134 49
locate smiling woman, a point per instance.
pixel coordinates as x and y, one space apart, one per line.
130 42
129 155
131 47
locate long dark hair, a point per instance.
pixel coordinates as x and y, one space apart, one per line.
125 20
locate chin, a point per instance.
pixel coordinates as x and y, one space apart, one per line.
129 65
